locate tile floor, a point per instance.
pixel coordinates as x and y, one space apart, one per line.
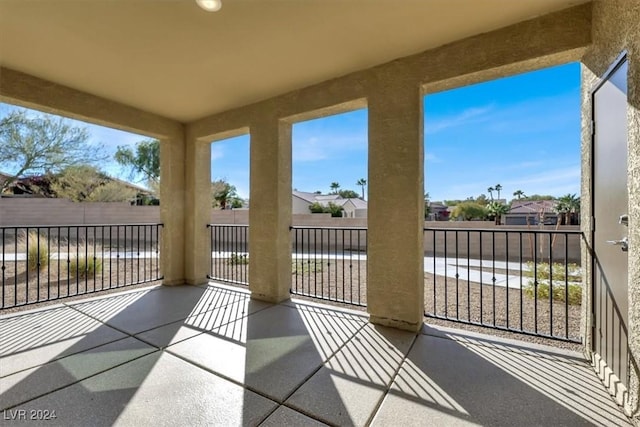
209 355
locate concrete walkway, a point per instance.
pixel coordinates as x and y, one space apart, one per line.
209 355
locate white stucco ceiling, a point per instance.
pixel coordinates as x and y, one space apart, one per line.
172 58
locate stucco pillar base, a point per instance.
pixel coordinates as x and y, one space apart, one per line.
173 282
395 323
197 281
273 299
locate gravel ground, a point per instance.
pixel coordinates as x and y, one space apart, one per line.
340 283
55 282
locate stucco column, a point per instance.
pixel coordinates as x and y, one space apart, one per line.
172 162
197 252
270 211
395 273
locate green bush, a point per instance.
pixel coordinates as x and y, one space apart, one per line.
37 253
558 290
558 271
84 267
238 259
306 266
552 280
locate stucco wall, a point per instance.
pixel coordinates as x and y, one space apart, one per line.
616 28
32 211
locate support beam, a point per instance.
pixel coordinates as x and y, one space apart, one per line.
32 92
395 252
270 213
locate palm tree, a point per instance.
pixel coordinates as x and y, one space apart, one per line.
496 210
568 206
519 194
362 183
490 190
498 188
334 187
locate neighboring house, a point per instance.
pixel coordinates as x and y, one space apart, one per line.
532 212
439 212
352 208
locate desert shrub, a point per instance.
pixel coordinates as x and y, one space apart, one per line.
552 280
37 250
574 291
238 259
306 266
557 269
83 266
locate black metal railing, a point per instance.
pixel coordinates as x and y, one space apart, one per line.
525 281
330 264
44 263
520 280
229 253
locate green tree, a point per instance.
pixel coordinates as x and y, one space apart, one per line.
334 210
468 211
519 194
316 207
362 183
42 145
85 183
495 210
348 194
145 160
334 187
224 194
482 200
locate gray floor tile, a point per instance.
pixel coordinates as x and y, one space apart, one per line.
148 309
347 390
33 339
453 383
168 334
271 351
287 417
156 389
223 315
26 385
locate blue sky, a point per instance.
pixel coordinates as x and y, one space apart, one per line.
522 132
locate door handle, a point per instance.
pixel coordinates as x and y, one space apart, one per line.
623 243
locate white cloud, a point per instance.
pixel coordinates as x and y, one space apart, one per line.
470 115
432 158
217 152
328 147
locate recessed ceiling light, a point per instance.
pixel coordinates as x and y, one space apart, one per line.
210 5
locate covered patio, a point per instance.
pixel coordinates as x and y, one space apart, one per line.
190 352
211 355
